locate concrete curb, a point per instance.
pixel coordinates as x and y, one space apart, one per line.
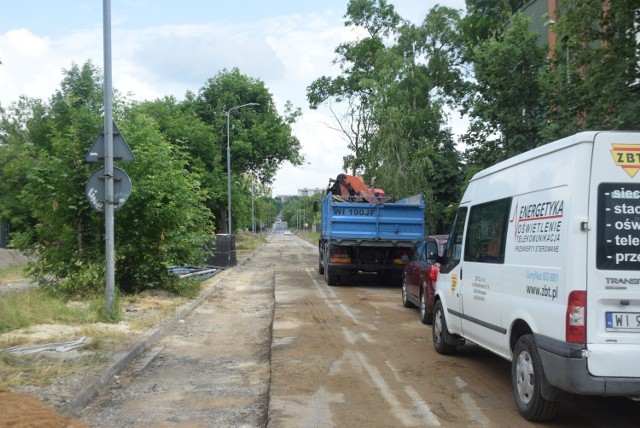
120 361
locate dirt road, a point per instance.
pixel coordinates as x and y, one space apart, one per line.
337 356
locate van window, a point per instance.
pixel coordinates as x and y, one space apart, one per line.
618 226
454 246
486 232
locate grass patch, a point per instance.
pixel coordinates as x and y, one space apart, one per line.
36 370
308 236
21 310
18 370
13 274
247 243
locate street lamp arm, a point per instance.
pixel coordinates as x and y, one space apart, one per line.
239 107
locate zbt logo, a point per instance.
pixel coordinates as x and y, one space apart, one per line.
627 156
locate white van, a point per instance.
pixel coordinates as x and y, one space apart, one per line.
543 269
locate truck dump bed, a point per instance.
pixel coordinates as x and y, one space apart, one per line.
364 223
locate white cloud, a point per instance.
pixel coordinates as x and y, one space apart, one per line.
286 52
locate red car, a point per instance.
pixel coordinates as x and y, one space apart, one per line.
420 274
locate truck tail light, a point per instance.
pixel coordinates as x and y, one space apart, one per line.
339 255
434 270
576 328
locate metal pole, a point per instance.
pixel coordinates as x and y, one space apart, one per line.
108 160
229 162
253 217
228 177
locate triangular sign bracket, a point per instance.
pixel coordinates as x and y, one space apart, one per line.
121 150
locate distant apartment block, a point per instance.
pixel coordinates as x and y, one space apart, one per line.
309 192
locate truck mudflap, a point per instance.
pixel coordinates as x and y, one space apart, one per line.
565 368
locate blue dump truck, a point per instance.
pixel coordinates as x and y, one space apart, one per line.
368 235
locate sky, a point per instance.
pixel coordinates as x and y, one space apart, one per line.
166 48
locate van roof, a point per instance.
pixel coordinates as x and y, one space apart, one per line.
587 136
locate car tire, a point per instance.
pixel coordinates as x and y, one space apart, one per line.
440 332
526 379
425 316
405 301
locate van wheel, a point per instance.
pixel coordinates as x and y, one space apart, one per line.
425 316
526 379
405 302
440 332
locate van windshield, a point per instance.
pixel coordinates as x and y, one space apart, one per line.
618 226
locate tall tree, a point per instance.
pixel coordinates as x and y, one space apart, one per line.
260 138
357 83
164 221
593 80
506 110
413 148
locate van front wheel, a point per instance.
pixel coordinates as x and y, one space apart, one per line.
440 332
526 379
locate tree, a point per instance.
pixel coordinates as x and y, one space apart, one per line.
199 141
506 109
164 221
414 149
260 139
357 84
592 82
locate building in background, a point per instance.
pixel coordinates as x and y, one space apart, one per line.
309 192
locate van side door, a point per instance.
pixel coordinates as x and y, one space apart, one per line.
481 293
451 274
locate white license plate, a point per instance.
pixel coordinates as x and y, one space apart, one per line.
623 320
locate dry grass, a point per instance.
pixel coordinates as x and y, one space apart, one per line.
312 237
12 274
245 243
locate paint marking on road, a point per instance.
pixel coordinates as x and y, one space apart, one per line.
394 371
470 404
319 413
396 408
422 407
336 367
345 310
473 410
460 383
352 337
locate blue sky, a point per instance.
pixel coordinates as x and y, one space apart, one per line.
163 47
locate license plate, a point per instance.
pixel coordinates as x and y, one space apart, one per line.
623 321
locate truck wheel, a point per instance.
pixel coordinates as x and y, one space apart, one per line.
320 266
440 332
405 302
526 379
425 316
330 278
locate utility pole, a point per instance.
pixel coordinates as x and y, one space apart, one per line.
108 161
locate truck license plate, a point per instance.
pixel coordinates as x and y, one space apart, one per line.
623 321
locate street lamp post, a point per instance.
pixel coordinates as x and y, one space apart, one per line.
229 162
253 216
